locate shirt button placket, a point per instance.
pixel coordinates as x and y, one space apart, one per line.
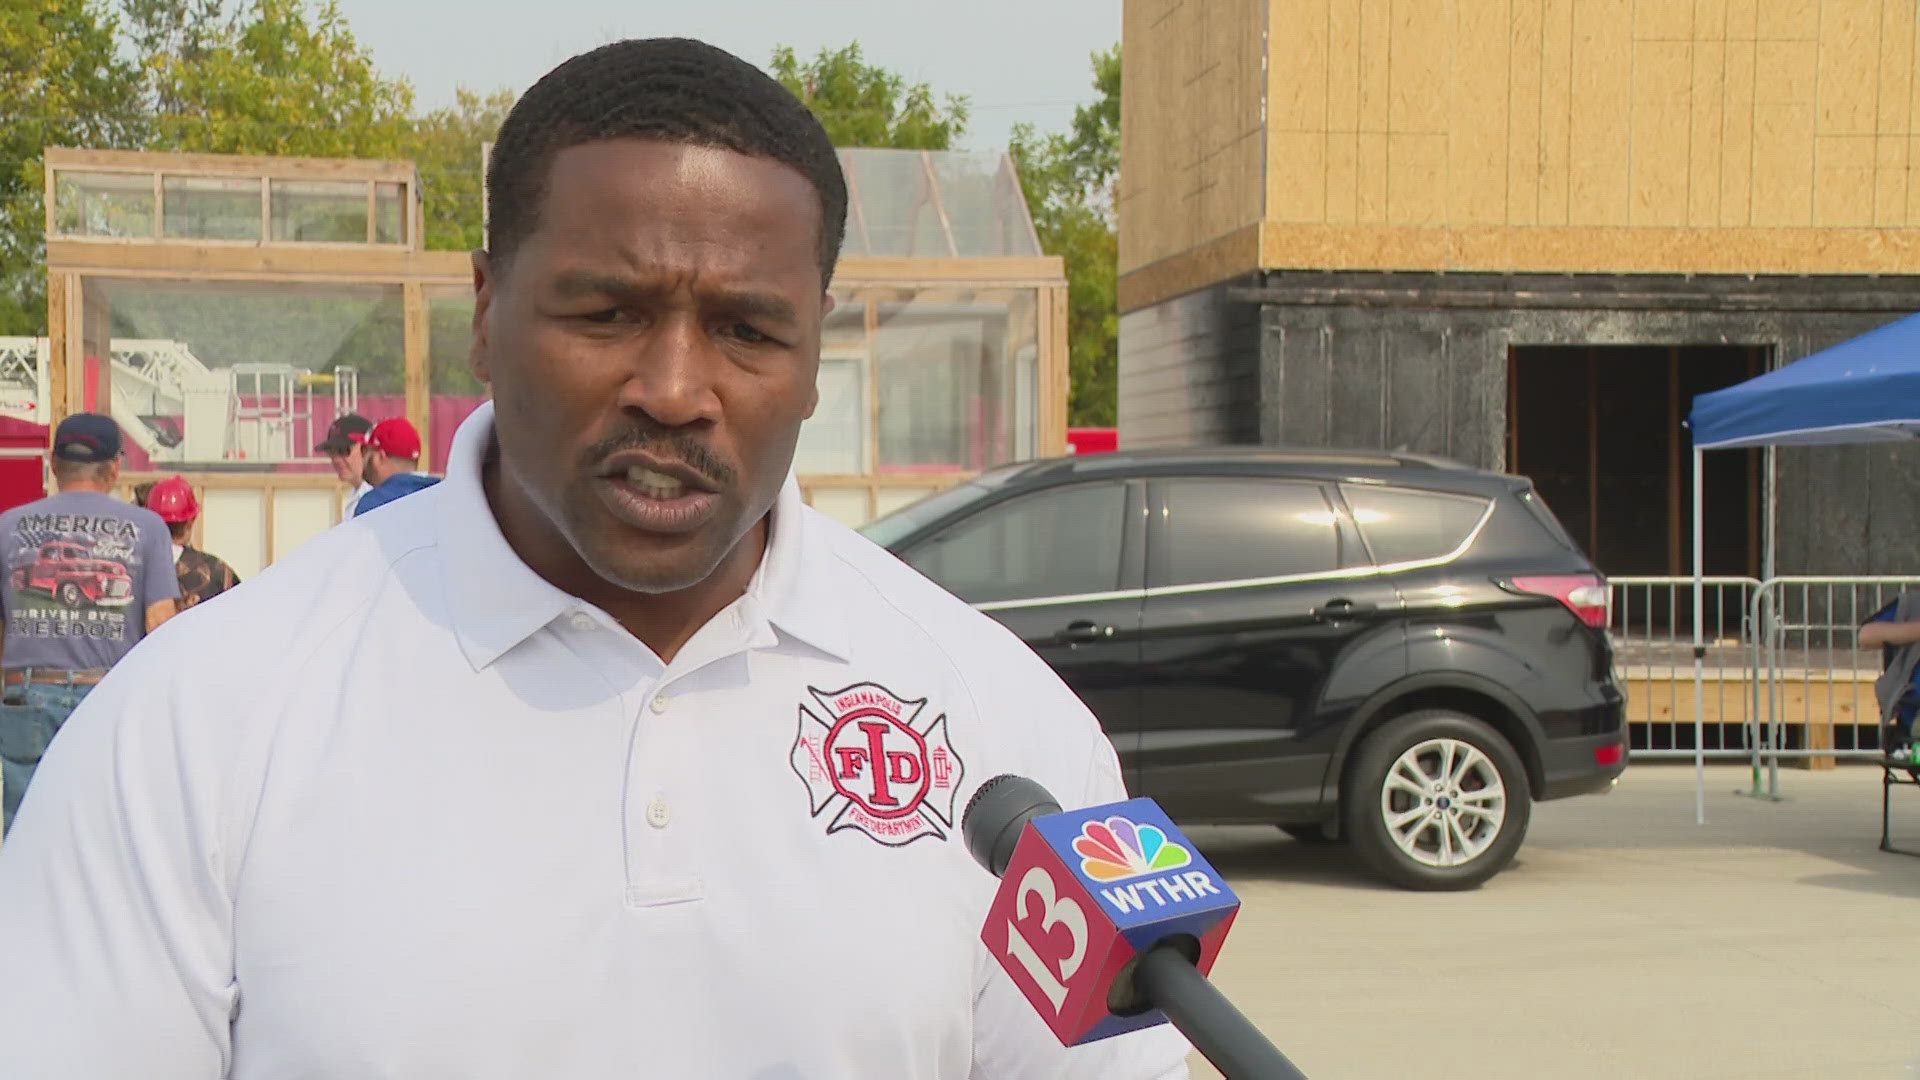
658 870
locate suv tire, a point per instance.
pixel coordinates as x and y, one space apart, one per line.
71 595
1439 762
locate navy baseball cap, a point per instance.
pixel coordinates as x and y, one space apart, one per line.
340 434
87 437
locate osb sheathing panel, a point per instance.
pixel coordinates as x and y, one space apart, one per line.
1192 142
1631 125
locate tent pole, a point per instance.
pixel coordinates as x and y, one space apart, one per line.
1699 645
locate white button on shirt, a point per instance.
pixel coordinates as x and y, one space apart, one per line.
432 822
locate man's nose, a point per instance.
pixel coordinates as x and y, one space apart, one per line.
672 376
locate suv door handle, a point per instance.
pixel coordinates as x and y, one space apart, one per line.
1342 609
1085 630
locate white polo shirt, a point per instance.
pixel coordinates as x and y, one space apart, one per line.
399 808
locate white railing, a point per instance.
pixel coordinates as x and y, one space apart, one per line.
1781 677
1650 620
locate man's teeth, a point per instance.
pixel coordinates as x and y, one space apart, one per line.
655 485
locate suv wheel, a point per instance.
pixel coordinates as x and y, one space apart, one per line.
1438 800
71 595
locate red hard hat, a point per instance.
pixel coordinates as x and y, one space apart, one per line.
173 500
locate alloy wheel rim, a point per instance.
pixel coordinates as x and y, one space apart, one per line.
1443 803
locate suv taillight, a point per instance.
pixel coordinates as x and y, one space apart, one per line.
1584 594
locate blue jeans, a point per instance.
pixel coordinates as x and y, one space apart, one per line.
30 716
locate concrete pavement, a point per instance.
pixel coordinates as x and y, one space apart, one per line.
1625 941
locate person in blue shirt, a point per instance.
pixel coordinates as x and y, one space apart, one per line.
393 462
1895 629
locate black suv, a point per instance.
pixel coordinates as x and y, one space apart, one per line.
1396 650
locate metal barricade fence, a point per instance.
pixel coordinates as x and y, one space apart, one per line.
1650 620
1818 699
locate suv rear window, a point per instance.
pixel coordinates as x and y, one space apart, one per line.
1401 525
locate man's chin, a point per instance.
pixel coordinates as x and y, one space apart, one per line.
654 568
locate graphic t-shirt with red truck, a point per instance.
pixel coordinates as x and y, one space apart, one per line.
82 570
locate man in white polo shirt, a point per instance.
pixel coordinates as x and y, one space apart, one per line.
615 760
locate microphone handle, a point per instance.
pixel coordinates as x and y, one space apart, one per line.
1203 1014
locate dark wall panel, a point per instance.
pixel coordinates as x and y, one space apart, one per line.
1190 372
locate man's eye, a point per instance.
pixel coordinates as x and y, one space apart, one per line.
606 316
747 333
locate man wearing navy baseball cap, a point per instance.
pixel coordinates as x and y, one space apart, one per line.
343 449
88 576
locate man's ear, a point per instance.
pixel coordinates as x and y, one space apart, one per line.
813 397
479 357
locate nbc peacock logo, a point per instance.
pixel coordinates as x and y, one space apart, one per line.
1117 849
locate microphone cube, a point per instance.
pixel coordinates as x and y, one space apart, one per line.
1086 892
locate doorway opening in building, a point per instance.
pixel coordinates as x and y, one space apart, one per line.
1600 431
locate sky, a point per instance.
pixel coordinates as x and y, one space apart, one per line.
1018 60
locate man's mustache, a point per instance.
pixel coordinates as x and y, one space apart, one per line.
664 442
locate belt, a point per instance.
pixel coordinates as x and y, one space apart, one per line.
53 676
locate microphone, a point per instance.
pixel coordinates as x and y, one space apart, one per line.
1108 921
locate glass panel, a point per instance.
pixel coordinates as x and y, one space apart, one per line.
103 204
1402 526
210 207
984 205
242 375
389 213
951 396
1237 530
320 211
833 442
837 440
453 391
1063 542
896 202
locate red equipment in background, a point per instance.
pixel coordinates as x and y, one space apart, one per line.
1093 440
23 473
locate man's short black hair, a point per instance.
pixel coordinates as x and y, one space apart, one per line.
667 89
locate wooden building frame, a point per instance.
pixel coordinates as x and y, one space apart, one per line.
73 259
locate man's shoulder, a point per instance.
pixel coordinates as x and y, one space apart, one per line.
295 603
894 601
1024 719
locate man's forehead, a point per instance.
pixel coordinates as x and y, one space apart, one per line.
668 184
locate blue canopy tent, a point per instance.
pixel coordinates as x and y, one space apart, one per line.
1863 390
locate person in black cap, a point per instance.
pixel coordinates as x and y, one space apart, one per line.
88 576
345 448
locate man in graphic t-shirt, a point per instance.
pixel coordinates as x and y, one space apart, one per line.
88 576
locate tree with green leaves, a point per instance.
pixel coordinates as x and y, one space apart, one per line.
445 145
65 84
273 77
862 104
1067 179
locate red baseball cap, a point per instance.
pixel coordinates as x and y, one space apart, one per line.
395 438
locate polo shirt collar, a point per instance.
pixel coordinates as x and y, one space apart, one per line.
497 601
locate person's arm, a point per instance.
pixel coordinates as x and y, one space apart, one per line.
115 905
1883 630
161 612
160 579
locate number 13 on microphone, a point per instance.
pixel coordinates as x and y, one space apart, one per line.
1084 893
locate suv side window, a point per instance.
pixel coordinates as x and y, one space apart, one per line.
1400 525
1060 542
1235 529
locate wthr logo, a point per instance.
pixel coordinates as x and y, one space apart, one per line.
1117 849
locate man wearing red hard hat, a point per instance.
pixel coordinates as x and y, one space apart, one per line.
202 576
393 462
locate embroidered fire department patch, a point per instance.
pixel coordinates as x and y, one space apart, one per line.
882 764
